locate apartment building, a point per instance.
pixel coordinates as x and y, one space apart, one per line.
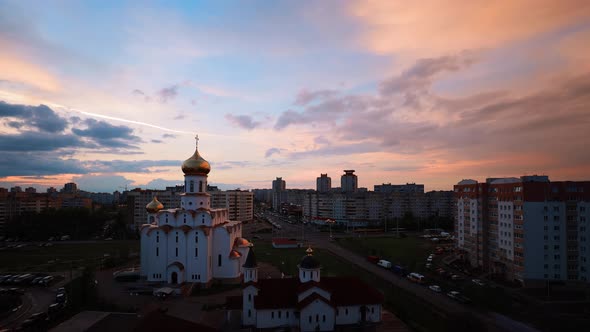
524 228
240 204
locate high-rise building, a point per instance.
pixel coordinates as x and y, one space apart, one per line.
70 187
323 183
526 228
239 203
279 185
349 181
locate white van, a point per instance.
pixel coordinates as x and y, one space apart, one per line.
416 277
385 264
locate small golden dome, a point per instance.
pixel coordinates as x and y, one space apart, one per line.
234 254
195 164
154 206
241 242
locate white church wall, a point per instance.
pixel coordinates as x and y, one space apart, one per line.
268 318
317 314
348 315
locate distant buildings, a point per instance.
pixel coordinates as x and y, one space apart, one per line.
323 183
16 202
525 228
349 181
240 204
399 188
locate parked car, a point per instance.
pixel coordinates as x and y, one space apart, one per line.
478 282
373 259
61 298
428 265
398 269
36 281
416 277
435 288
456 277
458 297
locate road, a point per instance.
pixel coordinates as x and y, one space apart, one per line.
493 321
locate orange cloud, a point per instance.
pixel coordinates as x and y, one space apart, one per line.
17 70
440 27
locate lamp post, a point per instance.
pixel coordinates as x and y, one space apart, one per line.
330 222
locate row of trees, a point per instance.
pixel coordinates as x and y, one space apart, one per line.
78 223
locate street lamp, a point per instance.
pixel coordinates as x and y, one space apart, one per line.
330 222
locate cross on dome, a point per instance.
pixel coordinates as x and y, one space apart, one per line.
197 140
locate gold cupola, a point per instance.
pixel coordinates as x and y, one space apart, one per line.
154 206
195 164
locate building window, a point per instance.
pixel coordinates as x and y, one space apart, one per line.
272 314
287 313
176 237
192 186
200 186
346 311
249 297
317 318
324 318
176 252
157 251
310 318
157 239
218 260
196 252
280 314
249 313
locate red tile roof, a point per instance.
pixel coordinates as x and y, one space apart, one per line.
345 291
315 296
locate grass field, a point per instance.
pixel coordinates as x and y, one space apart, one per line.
287 259
410 252
58 257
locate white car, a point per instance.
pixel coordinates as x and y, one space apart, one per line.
435 288
429 259
478 282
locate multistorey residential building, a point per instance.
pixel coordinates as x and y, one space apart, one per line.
363 208
399 188
349 181
239 203
16 202
323 183
524 228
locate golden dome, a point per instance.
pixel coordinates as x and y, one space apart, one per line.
241 242
196 165
154 206
234 254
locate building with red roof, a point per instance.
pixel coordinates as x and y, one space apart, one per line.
307 302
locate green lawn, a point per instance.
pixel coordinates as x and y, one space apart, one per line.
287 259
34 258
410 252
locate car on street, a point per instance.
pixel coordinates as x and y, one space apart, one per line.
458 297
456 277
435 288
478 282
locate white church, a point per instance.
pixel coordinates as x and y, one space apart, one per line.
307 302
191 243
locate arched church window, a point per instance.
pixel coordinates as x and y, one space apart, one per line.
218 260
192 186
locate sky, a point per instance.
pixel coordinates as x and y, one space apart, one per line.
110 94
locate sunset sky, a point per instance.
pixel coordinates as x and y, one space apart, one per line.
110 95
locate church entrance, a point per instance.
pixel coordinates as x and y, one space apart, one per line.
174 277
363 314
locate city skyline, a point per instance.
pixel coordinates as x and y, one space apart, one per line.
108 95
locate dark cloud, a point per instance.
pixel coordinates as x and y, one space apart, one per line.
272 151
142 94
242 121
125 166
19 163
290 117
168 136
40 141
305 96
162 184
168 93
424 71
180 116
336 150
108 135
157 141
40 117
